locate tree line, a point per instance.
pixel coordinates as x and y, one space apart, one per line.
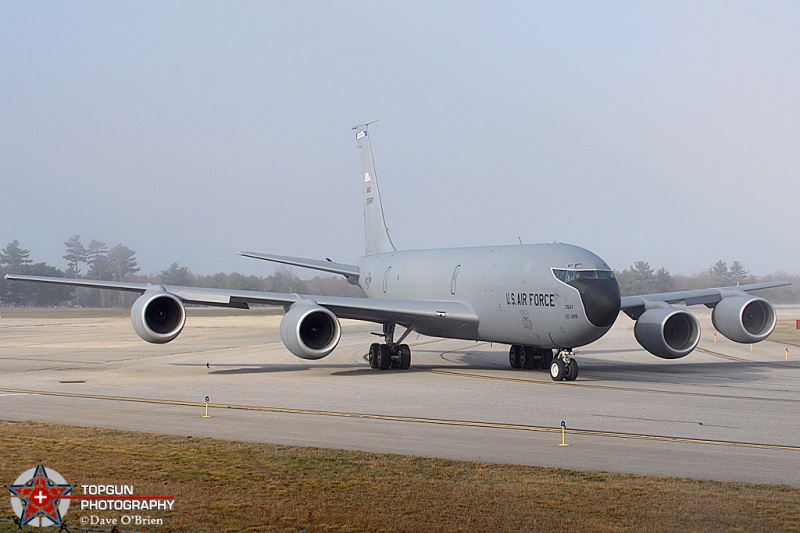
118 263
640 278
97 261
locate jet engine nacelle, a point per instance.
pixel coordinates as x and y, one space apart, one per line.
744 319
667 332
310 331
158 316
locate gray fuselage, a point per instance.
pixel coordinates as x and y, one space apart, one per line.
514 290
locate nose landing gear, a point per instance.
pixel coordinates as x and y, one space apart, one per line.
564 367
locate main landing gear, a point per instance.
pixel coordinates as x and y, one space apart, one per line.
391 354
562 366
529 357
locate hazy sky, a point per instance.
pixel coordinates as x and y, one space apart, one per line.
667 132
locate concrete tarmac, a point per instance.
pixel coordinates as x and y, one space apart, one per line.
723 413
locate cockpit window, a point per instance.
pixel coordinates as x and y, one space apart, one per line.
568 274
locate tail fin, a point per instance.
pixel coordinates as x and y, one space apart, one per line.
375 232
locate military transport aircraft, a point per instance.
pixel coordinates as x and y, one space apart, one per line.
544 300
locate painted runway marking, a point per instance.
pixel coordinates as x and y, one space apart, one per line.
613 388
742 360
723 356
418 420
34 358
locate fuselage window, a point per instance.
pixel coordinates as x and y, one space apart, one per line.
568 274
386 280
453 280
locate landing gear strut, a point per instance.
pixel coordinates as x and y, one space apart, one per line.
564 367
390 354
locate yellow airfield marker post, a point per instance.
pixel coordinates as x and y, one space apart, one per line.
206 415
563 431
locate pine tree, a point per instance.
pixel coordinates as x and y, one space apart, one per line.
122 262
96 254
663 281
737 272
639 279
13 257
720 273
76 254
176 275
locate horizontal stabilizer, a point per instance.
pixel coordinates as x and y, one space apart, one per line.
348 271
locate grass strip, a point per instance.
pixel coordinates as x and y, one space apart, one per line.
234 486
786 332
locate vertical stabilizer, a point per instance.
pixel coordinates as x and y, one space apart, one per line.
375 232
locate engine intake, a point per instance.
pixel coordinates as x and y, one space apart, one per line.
668 332
158 316
310 331
745 319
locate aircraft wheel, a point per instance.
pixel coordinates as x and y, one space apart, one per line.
533 357
572 370
558 370
384 357
524 358
514 356
405 356
527 357
547 358
373 355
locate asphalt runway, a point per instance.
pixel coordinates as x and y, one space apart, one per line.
724 412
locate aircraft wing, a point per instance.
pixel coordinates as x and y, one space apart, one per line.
634 306
443 315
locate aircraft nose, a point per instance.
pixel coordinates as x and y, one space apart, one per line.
601 300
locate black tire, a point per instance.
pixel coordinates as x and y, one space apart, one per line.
405 356
373 355
572 370
384 357
558 370
514 356
535 356
532 357
547 358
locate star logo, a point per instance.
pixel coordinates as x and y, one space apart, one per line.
38 497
